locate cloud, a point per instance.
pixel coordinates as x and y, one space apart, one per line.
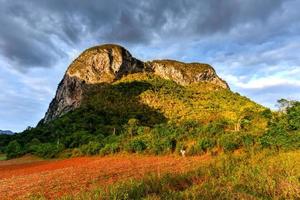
35 30
269 94
263 82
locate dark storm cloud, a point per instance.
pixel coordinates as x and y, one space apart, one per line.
33 30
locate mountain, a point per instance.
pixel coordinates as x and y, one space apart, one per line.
109 63
7 132
108 101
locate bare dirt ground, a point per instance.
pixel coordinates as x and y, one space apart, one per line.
23 177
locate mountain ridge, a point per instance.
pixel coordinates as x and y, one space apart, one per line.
109 102
109 63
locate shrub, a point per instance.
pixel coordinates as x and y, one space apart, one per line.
293 114
201 146
110 149
77 139
167 130
277 137
76 152
193 150
136 146
132 126
13 149
46 150
247 140
143 130
35 141
267 113
230 141
216 128
162 145
67 153
206 143
4 141
92 148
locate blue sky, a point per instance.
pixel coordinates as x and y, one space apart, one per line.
253 44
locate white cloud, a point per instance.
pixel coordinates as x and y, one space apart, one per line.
265 82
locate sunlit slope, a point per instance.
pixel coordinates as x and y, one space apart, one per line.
153 100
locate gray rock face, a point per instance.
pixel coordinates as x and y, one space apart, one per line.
108 63
105 63
68 96
100 64
186 73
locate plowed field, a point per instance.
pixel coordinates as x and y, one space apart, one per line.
21 178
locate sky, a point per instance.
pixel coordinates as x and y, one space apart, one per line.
253 44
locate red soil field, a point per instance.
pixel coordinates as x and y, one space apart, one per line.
21 178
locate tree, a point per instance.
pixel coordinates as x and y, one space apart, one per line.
293 115
13 149
284 104
230 141
267 113
276 137
243 118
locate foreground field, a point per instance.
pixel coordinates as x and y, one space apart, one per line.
30 177
239 175
242 175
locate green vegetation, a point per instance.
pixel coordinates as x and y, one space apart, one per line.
2 157
142 113
13 149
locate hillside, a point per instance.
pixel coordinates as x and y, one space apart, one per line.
106 64
109 101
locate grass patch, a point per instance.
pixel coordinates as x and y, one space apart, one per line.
2 157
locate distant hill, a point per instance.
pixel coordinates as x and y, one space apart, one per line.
7 132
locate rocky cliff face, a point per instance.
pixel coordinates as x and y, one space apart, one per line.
186 73
100 64
108 63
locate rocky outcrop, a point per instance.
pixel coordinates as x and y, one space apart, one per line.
186 73
105 63
68 96
100 64
108 63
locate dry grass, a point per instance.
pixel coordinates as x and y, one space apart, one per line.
52 179
265 175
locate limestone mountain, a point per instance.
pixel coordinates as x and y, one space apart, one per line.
108 102
109 63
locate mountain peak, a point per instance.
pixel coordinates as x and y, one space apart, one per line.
105 63
110 62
